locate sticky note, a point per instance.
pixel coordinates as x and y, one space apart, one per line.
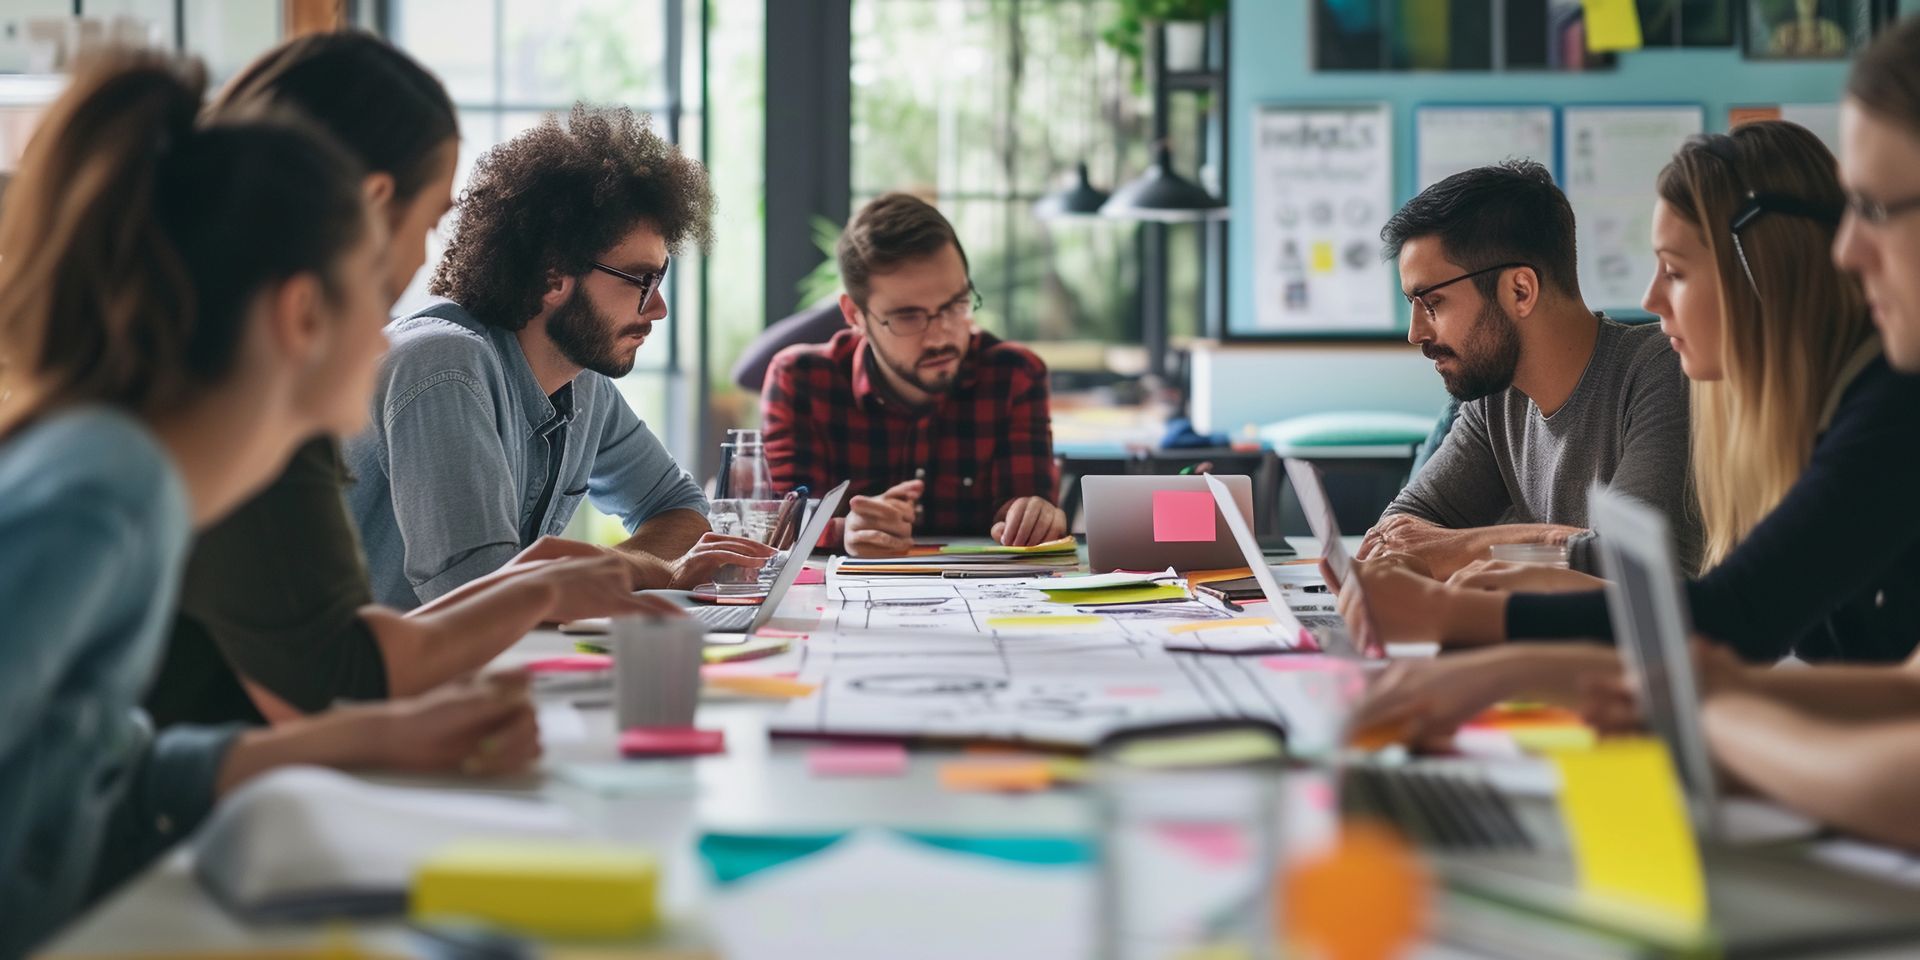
1201 626
751 650
1215 576
572 663
1182 516
996 776
671 742
1068 769
543 888
858 760
1200 750
1213 844
1612 25
1063 545
811 576
586 647
1304 662
1133 691
1322 257
769 687
1044 622
1626 820
1152 593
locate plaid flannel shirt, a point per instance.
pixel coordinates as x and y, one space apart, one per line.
827 417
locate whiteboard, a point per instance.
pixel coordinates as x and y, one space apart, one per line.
1322 187
1448 140
1610 158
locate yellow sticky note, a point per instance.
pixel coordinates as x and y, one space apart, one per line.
996 776
1147 593
777 688
543 888
1062 545
1043 622
1215 576
1199 626
1200 750
750 650
1612 25
1627 822
1322 257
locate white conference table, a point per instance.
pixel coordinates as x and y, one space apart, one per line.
759 785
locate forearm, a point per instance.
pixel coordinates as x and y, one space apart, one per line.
1471 617
1863 779
1551 673
667 537
331 740
1843 693
459 634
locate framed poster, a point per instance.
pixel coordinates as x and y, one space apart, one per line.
1449 139
1610 157
1322 188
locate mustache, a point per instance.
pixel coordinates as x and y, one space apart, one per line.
635 330
941 354
1434 351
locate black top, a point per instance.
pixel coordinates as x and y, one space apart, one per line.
274 592
1833 573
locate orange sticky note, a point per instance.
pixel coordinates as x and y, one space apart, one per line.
1182 516
777 688
997 776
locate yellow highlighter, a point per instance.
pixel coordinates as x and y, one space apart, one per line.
558 889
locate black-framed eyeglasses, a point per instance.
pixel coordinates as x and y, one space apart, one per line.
912 321
1761 204
649 283
1419 297
1877 212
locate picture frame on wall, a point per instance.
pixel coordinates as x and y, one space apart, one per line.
1810 29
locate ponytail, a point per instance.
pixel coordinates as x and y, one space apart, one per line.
132 244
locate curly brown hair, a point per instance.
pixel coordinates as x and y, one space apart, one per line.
555 198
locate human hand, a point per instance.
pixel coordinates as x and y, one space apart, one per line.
1390 604
713 551
1422 702
1439 550
1030 520
483 726
598 586
1488 574
643 573
1611 703
882 526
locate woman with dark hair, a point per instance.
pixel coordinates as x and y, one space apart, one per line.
179 304
277 615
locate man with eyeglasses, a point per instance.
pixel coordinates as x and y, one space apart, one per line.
943 428
1552 396
496 410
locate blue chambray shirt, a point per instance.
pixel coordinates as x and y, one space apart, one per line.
94 520
451 475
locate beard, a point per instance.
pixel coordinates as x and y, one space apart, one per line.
591 339
938 382
1493 353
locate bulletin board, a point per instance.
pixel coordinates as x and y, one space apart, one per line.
1610 157
1452 138
1323 180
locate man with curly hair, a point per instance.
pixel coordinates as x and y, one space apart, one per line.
496 409
943 428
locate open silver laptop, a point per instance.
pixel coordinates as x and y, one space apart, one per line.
744 620
1328 632
1139 523
1766 898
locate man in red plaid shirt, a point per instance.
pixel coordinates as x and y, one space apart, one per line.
943 428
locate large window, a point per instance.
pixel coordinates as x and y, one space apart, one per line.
982 106
509 64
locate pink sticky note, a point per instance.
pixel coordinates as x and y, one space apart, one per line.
1141 691
572 663
858 760
671 742
1215 844
810 577
1182 516
1301 662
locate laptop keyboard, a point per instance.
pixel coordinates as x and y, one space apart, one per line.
1450 809
729 619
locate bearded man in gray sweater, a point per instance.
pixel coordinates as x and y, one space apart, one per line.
1553 396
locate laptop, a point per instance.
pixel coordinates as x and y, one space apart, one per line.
733 623
1151 523
1765 898
1327 631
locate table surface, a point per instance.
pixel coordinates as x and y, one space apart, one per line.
759 785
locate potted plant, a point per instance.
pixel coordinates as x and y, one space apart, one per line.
1186 34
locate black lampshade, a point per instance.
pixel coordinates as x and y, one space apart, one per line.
1160 194
1077 199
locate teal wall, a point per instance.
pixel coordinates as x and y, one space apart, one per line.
1272 62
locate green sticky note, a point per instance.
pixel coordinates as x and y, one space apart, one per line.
1062 545
1152 593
